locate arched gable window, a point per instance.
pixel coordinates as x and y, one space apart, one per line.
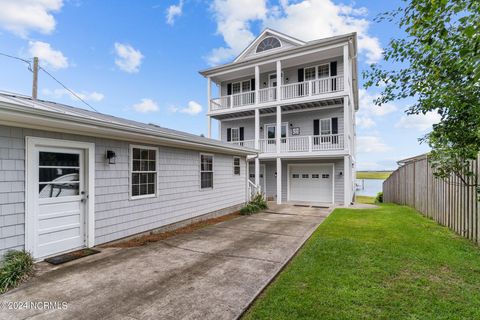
268 43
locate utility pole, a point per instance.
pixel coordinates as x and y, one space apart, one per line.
35 78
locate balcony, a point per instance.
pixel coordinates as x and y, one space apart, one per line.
288 93
297 144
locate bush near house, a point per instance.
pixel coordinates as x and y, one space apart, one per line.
255 205
15 268
379 197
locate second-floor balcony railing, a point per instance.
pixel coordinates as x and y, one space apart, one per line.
287 92
297 143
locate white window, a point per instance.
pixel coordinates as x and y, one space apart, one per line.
324 71
326 126
236 166
235 134
246 86
206 171
143 177
236 88
309 73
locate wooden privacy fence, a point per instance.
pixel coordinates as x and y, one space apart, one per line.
450 202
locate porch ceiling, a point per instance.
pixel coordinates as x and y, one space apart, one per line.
289 107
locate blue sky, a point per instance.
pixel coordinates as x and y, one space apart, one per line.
140 59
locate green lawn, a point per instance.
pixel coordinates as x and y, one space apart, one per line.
386 263
373 174
365 199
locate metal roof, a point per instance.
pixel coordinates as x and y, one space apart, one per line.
29 104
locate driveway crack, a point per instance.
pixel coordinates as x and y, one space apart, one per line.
254 231
221 254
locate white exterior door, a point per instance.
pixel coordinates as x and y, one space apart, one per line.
311 183
59 200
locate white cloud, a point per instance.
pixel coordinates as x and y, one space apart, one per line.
47 55
128 58
369 144
87 96
419 122
22 16
306 20
193 108
146 106
368 111
173 11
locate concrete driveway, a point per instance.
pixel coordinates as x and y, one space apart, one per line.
211 273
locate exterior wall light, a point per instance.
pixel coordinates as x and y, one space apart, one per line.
111 156
340 173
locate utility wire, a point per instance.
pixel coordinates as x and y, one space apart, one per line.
51 76
71 91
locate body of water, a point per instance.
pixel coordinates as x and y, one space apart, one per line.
369 187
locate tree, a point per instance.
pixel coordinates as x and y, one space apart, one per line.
438 64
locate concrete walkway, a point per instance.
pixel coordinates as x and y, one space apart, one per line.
211 273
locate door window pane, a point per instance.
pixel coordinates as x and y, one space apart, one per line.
58 174
271 132
325 126
235 134
56 190
245 86
57 159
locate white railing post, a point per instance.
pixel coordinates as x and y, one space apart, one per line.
257 84
209 93
310 143
257 128
279 79
278 130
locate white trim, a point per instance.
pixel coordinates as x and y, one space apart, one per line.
265 125
262 165
231 134
130 171
316 66
200 170
311 165
31 189
260 37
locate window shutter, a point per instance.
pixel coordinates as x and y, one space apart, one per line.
241 133
229 89
229 134
252 84
333 73
333 68
300 75
316 127
334 125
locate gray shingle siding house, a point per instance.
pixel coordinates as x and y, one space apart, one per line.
59 191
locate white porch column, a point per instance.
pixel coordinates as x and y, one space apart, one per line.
209 92
279 78
257 129
279 181
346 124
209 125
347 183
278 129
257 84
346 72
257 172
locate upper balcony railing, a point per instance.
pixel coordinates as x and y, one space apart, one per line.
326 142
288 92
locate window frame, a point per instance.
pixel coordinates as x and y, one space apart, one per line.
316 71
240 83
200 170
266 50
130 171
239 166
320 126
237 129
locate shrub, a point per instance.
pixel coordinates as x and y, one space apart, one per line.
15 268
255 205
379 197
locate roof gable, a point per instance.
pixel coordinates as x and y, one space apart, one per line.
286 42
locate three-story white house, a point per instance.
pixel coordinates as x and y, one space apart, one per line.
294 102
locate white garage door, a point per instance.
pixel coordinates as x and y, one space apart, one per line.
311 183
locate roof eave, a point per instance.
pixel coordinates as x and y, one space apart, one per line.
19 116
